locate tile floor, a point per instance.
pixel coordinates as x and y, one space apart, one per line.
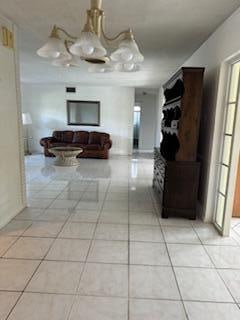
91 245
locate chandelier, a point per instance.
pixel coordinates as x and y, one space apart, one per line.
66 50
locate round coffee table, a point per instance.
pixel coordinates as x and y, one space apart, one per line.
66 156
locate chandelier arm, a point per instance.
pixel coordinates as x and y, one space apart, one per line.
119 35
66 33
68 43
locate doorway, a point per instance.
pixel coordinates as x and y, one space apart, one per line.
227 196
136 126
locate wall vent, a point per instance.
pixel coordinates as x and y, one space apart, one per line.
71 89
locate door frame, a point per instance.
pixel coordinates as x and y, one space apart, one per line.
224 81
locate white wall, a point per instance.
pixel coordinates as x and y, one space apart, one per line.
222 44
12 198
147 129
47 106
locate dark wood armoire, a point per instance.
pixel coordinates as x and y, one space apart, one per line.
176 169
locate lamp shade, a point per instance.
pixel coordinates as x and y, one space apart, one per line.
101 68
127 67
127 51
88 45
53 48
26 118
72 61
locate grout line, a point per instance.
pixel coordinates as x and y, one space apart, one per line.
37 268
215 268
169 257
117 297
86 260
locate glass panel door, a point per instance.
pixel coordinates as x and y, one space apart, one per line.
227 144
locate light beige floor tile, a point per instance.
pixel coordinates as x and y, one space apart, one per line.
88 205
69 250
231 279
116 206
146 233
175 222
7 301
29 248
113 189
153 282
100 308
71 195
54 215
43 229
201 285
93 196
117 196
141 206
35 306
39 203
109 251
224 256
143 218
77 230
111 231
156 310
114 217
56 277
14 274
5 243
15 228
147 253
46 194
85 216
63 204
189 255
29 214
104 280
55 187
212 311
180 235
209 235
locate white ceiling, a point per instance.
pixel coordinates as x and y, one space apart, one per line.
168 32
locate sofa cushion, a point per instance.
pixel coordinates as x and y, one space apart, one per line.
93 147
81 137
57 144
96 137
63 136
77 145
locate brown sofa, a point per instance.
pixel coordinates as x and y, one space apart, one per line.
94 144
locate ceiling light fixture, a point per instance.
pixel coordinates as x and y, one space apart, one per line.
69 50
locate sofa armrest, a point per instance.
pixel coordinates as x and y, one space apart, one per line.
46 141
106 143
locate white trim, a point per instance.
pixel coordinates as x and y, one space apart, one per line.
20 125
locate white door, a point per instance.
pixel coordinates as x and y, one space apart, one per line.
229 144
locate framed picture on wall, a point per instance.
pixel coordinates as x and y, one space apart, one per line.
83 113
